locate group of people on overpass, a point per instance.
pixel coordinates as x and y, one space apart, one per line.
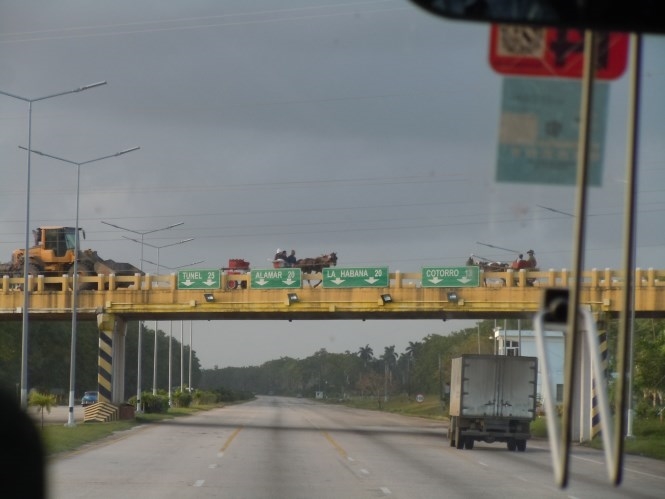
284 260
521 263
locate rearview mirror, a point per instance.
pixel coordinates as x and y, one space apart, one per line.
603 15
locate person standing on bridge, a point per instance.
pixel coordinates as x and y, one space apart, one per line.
279 260
518 263
531 262
291 259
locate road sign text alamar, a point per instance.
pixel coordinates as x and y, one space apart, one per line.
286 278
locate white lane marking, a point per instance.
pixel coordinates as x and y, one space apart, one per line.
350 458
199 483
596 461
220 454
364 471
386 491
483 464
212 466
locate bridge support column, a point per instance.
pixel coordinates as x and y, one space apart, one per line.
111 358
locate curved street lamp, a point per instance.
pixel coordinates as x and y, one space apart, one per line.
138 348
72 362
26 291
171 335
154 361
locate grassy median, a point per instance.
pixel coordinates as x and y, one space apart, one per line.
60 438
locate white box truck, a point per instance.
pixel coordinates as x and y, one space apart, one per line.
492 399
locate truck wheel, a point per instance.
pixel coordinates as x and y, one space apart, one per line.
511 444
459 440
451 432
521 445
468 443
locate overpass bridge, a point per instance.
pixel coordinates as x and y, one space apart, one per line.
114 300
509 294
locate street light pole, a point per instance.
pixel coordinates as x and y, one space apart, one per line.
171 335
26 291
190 356
182 357
72 361
154 362
138 348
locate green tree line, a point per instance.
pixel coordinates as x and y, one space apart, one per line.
49 353
424 366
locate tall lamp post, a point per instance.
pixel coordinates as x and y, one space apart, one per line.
26 291
72 361
154 361
171 333
190 356
138 368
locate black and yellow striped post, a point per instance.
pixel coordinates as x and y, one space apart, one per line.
106 325
601 325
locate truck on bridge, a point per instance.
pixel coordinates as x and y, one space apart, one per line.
492 399
54 254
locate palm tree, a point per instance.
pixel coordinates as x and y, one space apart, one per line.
390 356
410 355
42 401
413 349
366 354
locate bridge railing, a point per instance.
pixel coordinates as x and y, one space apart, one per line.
606 278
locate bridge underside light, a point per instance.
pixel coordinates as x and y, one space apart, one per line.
209 297
293 298
453 297
386 299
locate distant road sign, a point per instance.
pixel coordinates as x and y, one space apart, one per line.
451 277
356 277
284 278
553 52
199 279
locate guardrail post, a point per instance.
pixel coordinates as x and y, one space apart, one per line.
564 278
608 278
595 278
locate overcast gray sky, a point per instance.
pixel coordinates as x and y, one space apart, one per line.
368 128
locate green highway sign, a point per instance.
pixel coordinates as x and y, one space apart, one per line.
285 278
198 279
451 277
356 277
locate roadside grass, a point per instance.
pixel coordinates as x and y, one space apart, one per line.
431 407
59 438
648 439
